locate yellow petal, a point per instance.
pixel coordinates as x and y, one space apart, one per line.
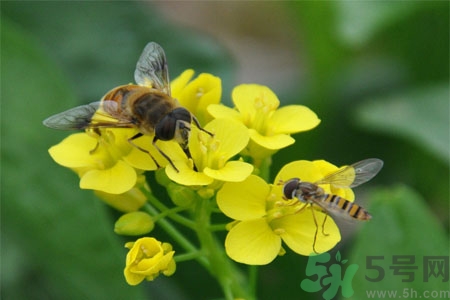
273 142
233 171
252 242
231 136
132 278
293 118
249 97
141 160
187 176
222 111
116 180
244 200
178 84
299 231
129 201
74 151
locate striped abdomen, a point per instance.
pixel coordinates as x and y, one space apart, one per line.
339 205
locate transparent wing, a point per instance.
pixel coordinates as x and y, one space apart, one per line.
151 68
355 174
94 115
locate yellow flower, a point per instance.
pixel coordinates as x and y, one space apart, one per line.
197 94
106 162
148 258
264 219
211 155
269 126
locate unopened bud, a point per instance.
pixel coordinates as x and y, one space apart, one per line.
134 223
181 195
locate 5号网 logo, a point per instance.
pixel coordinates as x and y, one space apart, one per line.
329 278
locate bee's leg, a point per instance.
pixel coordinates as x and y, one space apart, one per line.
96 131
95 148
317 230
323 226
301 208
163 154
197 123
138 135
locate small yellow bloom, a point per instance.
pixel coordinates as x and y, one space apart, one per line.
197 94
148 258
211 155
106 162
265 219
269 126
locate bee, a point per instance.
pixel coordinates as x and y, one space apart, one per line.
311 194
147 106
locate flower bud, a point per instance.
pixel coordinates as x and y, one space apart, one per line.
181 195
134 223
148 258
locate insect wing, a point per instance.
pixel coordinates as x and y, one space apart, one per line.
75 118
101 114
151 68
355 174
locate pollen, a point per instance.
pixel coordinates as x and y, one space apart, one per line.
279 231
200 92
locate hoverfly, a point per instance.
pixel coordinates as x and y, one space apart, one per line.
147 106
311 194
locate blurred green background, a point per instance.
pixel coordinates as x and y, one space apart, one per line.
376 73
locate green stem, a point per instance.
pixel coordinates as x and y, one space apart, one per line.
218 227
253 279
176 235
187 256
226 273
177 218
264 168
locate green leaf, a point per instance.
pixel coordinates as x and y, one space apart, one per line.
57 240
402 224
420 115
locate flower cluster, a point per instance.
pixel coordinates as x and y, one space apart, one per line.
222 172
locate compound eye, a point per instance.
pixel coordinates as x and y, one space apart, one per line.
182 114
165 129
290 188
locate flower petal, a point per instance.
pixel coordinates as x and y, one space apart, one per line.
224 112
233 171
74 151
142 160
116 180
187 176
248 97
178 84
252 242
273 142
244 200
300 229
303 169
293 118
231 137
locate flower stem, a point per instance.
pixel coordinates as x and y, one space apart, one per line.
177 218
176 235
226 273
187 256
